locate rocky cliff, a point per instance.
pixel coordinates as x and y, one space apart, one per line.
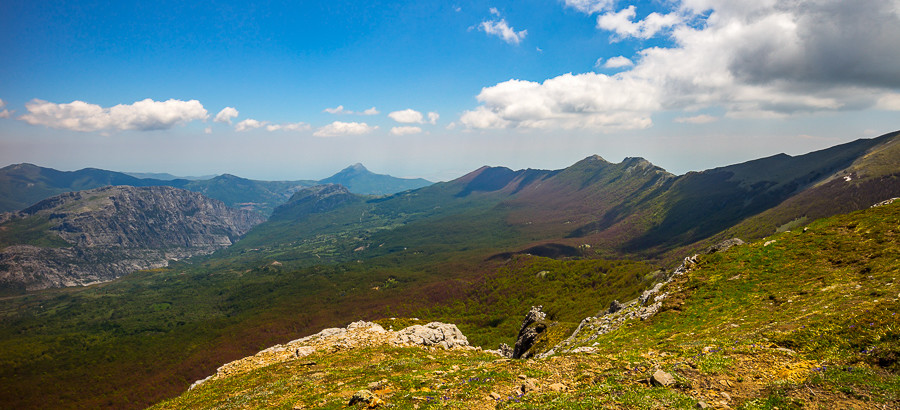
100 234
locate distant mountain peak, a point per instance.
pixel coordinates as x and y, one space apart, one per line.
360 180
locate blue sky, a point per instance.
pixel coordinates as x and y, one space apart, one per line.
297 90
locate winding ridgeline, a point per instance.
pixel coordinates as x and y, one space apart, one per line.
803 313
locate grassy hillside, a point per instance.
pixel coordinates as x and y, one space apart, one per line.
803 319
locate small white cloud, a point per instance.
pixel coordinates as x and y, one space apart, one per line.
590 6
226 115
615 62
5 113
407 116
207 130
340 110
336 110
501 29
249 124
144 115
697 119
339 128
288 126
433 117
405 130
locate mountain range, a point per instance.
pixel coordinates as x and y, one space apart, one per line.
479 251
21 185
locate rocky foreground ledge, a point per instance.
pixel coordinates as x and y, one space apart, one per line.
355 335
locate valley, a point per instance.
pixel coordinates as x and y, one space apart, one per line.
479 251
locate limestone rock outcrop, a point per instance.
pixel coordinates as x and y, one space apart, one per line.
96 235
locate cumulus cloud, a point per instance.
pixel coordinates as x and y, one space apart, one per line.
763 59
697 119
339 128
4 113
407 116
587 100
226 115
405 130
622 23
145 115
614 62
433 117
249 124
340 110
501 29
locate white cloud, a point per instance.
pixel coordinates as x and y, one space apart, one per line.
340 110
142 115
587 100
405 130
764 59
621 23
407 116
697 119
339 128
5 113
336 110
288 126
207 130
501 29
226 115
614 62
249 124
433 117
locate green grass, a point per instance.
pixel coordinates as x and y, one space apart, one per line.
34 230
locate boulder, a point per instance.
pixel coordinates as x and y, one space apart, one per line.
440 334
661 378
724 245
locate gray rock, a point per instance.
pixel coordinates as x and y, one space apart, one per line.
661 378
363 396
532 327
615 306
440 334
723 246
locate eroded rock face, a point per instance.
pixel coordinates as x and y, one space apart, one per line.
533 327
101 234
